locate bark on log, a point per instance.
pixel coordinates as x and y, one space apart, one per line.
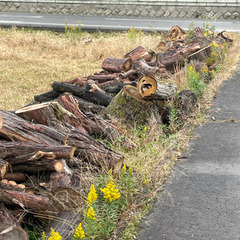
6 216
142 66
172 58
21 152
88 92
101 78
87 106
4 167
39 166
116 65
132 74
139 52
25 200
47 96
17 129
78 81
50 114
150 89
17 177
12 232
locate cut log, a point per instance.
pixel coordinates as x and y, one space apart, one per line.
132 74
4 167
142 66
39 166
172 58
11 185
88 92
47 96
17 177
12 232
17 129
25 200
49 114
176 33
116 65
21 152
101 78
132 112
150 89
226 36
139 52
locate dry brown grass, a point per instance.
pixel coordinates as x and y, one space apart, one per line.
30 61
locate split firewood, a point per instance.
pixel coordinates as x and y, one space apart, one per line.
4 167
87 148
17 177
25 200
139 52
89 92
150 89
101 78
47 96
21 152
176 33
116 65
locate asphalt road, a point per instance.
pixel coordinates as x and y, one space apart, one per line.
201 200
93 23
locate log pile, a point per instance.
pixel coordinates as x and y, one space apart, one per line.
44 144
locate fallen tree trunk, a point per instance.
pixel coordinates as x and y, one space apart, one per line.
17 129
150 89
88 92
116 65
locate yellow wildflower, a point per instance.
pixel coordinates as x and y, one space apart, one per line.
190 68
92 195
124 168
110 192
145 128
91 214
54 235
43 236
130 170
79 233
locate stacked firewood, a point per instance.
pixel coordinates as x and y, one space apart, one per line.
44 144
